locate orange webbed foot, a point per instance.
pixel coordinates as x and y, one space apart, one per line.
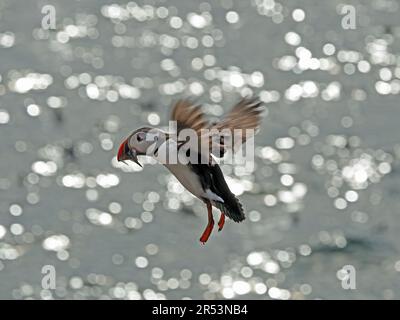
221 221
210 225
207 232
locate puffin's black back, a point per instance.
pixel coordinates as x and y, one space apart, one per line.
212 178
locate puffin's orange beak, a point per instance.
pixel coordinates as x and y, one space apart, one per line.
125 153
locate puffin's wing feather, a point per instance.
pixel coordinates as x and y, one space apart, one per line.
246 114
187 115
239 124
190 116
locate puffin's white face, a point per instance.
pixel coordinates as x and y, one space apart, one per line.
138 143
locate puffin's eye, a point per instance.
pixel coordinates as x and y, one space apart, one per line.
140 137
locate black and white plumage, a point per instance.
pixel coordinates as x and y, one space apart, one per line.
204 179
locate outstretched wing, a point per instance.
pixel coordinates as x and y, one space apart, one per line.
188 116
246 114
240 124
237 126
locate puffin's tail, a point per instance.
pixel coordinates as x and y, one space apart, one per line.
233 209
231 206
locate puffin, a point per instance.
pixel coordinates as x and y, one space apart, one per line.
196 167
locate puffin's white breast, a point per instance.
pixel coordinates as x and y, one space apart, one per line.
191 181
187 178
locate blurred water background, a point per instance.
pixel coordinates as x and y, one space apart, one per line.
324 192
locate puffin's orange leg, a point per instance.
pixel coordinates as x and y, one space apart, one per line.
210 225
221 221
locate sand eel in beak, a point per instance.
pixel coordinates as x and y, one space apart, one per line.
198 172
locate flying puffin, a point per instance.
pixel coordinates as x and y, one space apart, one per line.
199 173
